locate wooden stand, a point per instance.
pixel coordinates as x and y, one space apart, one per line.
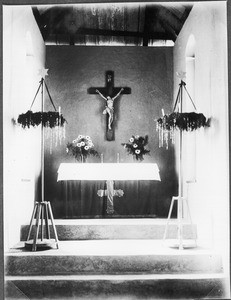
42 212
180 244
180 198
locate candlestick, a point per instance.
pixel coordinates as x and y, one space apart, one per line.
118 157
101 157
59 110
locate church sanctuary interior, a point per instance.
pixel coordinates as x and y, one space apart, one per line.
116 150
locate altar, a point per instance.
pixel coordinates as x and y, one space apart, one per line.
107 173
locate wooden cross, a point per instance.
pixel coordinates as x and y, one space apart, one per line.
109 93
110 193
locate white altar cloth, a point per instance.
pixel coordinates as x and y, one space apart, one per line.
108 171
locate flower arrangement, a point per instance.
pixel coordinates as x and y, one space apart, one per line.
81 148
49 119
136 146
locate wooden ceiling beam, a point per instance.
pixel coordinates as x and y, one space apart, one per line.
79 40
169 30
41 21
169 17
186 13
104 32
141 23
43 9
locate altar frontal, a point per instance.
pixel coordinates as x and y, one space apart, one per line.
108 172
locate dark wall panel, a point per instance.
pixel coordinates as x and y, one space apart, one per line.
148 72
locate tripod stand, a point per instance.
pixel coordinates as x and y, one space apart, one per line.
180 199
42 211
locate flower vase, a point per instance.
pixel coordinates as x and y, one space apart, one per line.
135 160
83 159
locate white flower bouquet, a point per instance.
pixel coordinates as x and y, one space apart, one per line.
81 148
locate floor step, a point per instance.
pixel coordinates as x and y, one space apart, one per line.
101 229
115 287
114 259
111 257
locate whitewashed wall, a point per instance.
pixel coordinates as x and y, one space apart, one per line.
23 55
209 195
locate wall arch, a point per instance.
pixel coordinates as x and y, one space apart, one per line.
189 141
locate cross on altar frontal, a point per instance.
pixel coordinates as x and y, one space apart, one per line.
109 93
110 193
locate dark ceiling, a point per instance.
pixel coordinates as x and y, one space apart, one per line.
111 24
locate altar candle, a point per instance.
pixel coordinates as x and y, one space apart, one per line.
162 111
101 157
118 157
59 110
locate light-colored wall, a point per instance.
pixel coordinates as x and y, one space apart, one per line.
209 195
23 55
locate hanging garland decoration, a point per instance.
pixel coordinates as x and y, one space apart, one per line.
184 121
53 121
47 119
136 146
167 124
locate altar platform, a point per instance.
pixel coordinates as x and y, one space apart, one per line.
114 259
113 269
111 229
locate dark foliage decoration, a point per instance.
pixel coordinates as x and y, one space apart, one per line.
136 146
81 148
184 121
47 119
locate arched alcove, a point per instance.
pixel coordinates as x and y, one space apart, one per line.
29 45
190 137
29 67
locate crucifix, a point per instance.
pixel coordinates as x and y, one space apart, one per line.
109 93
110 193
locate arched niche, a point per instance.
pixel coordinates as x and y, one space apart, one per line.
189 157
29 44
